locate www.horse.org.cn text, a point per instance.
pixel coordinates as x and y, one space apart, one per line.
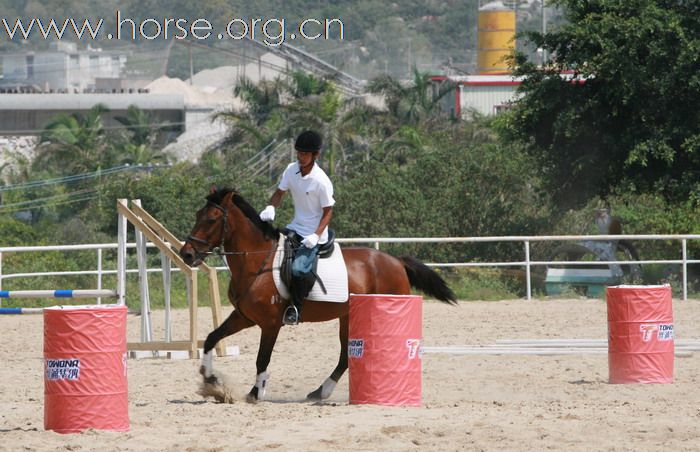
271 31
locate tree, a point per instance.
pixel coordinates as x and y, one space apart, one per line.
74 143
618 101
138 141
411 103
338 119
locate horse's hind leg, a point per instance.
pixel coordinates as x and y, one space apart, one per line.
268 337
326 389
233 324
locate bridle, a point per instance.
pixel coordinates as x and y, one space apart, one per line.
211 249
219 250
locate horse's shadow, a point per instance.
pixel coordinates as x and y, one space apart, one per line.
272 401
304 401
188 402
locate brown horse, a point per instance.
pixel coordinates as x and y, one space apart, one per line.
228 225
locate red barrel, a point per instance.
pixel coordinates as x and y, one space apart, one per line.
384 349
640 334
85 368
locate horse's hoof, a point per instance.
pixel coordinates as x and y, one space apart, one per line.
211 379
252 396
315 395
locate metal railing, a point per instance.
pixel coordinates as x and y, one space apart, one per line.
526 262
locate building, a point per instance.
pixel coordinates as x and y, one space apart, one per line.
482 94
62 68
28 113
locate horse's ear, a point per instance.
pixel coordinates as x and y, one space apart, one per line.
213 189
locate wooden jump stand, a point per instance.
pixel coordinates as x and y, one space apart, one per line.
149 228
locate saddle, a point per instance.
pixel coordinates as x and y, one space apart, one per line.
301 286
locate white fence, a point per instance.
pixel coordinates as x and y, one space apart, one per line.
527 263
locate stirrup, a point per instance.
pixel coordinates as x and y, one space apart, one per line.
291 316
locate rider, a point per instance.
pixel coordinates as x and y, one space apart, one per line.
312 194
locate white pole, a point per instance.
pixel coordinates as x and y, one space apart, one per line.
68 293
99 273
544 32
121 256
684 245
527 270
146 329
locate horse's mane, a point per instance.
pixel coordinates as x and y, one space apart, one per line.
266 228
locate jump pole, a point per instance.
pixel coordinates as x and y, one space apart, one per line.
68 293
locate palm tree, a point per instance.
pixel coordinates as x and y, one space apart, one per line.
341 121
413 103
139 124
141 154
74 143
138 144
302 85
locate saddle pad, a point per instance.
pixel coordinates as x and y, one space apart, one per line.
332 272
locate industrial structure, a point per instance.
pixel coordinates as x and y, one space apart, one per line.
62 68
495 37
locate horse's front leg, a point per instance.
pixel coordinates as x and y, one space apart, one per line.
233 324
326 389
268 337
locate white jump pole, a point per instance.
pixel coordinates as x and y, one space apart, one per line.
121 257
69 293
58 293
141 242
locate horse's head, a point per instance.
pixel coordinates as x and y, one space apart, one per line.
210 228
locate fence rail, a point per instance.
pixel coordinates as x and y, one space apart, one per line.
527 263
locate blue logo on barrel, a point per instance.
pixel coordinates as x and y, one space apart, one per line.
356 348
63 369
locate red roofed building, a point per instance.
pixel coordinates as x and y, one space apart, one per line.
483 94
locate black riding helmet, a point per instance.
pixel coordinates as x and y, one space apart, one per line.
308 141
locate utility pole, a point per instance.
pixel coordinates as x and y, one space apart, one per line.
544 32
191 65
409 57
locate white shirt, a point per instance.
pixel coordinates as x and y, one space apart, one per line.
310 193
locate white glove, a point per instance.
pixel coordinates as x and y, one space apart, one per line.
268 214
310 241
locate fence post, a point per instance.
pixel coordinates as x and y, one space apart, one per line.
684 245
527 270
99 273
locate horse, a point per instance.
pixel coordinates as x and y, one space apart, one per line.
230 226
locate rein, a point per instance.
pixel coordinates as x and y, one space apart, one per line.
219 250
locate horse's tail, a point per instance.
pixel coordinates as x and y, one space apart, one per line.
427 280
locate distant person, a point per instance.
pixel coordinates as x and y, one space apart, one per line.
608 224
312 194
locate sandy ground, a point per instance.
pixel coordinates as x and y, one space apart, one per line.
470 402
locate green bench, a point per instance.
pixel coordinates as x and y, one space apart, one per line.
591 280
